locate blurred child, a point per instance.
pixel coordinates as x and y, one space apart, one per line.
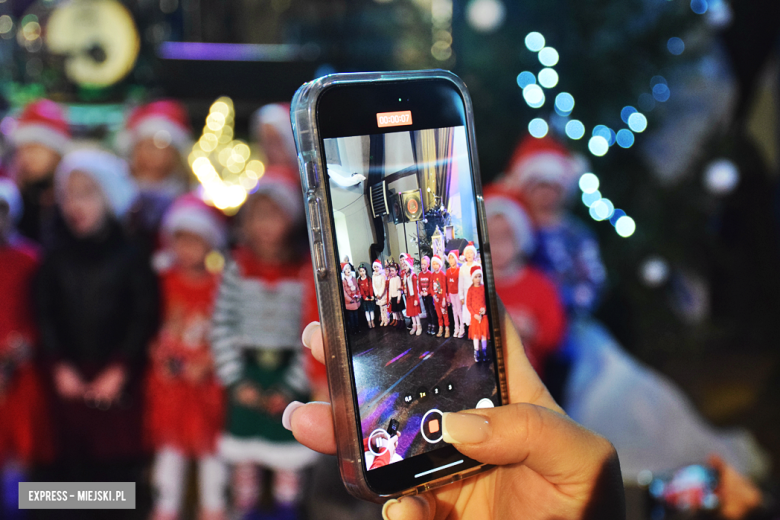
542 174
157 139
367 294
185 407
351 297
40 139
396 294
479 330
529 297
379 283
426 293
272 132
97 308
412 295
265 299
439 292
22 407
453 293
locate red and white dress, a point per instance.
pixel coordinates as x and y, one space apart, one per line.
185 403
412 296
475 302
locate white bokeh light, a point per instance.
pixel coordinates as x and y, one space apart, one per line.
485 15
625 226
548 57
589 183
598 146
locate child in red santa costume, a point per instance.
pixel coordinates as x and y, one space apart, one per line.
23 427
266 297
412 295
379 286
156 140
453 293
366 286
479 330
185 409
426 293
440 296
40 139
530 298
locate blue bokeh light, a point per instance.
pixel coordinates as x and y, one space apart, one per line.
627 111
564 103
591 198
616 215
548 78
538 127
625 138
525 78
646 102
637 122
675 45
534 41
548 57
661 92
534 96
655 80
575 129
699 6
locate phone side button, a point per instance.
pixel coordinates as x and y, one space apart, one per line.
311 175
319 260
315 216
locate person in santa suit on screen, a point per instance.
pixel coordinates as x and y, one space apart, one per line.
366 286
440 296
411 290
479 330
426 293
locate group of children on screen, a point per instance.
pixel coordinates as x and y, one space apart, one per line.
398 292
105 358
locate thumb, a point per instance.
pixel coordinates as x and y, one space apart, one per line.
545 441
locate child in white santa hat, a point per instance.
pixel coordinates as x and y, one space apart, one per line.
97 309
379 285
479 330
395 293
40 138
440 296
464 282
266 297
156 140
185 409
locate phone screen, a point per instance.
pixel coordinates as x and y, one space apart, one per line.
687 489
417 312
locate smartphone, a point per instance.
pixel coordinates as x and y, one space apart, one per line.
389 170
685 490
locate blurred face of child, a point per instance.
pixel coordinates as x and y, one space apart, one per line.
477 279
190 250
35 162
266 226
347 271
436 266
469 254
506 250
84 205
452 260
152 162
392 271
425 263
545 197
376 269
273 145
362 272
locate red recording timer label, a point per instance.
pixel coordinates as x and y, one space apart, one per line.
386 119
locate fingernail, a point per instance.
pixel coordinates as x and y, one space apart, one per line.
465 428
308 332
287 415
387 509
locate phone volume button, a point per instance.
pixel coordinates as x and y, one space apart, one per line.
319 260
312 177
315 216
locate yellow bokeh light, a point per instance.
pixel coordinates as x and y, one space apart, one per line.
247 182
242 150
208 142
224 154
220 107
31 31
215 121
255 169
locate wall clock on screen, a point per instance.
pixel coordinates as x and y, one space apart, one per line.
98 38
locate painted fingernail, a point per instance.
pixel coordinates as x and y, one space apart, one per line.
387 509
465 428
287 415
308 332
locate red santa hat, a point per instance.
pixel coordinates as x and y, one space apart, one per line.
376 263
454 253
437 258
284 186
166 121
107 170
513 212
541 160
189 213
42 122
475 270
409 261
9 194
470 247
278 116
